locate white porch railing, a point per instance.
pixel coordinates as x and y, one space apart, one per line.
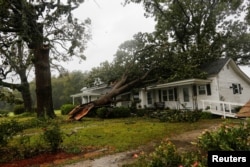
225 109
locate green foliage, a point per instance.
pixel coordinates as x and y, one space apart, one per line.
226 138
8 130
66 108
116 112
177 116
4 113
165 155
206 115
62 87
102 112
53 136
121 112
141 112
19 109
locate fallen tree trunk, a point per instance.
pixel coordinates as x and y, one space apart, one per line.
120 87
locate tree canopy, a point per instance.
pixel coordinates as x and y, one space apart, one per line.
48 28
194 32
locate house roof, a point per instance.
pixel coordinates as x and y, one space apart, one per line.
212 68
93 91
215 66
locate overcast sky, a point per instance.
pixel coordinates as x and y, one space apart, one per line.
111 25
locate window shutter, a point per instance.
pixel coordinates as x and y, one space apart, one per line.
209 89
240 88
194 90
235 90
175 94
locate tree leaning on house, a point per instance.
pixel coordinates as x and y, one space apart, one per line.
45 26
187 34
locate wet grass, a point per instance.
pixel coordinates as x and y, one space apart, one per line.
120 134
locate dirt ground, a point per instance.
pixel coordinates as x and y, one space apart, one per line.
93 157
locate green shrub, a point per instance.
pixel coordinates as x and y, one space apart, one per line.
66 108
226 138
53 136
206 115
4 113
163 155
102 112
141 112
121 112
8 130
19 109
116 112
177 116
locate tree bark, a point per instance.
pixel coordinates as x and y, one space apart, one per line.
43 83
25 90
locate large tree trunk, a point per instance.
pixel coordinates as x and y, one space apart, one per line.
23 88
120 87
25 91
43 82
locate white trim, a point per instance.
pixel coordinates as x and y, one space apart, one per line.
180 83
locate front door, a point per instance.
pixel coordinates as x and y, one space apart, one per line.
185 101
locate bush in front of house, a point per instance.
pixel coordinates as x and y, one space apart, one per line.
206 115
116 112
121 112
19 109
66 108
102 112
142 112
177 116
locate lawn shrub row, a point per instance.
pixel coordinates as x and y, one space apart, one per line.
177 116
116 112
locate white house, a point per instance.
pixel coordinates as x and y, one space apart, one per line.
91 94
226 87
225 83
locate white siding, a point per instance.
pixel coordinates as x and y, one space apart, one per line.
226 78
214 92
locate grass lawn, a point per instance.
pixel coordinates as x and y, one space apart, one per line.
120 134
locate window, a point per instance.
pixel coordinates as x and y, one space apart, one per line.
236 88
208 86
165 95
169 94
202 89
149 98
186 94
